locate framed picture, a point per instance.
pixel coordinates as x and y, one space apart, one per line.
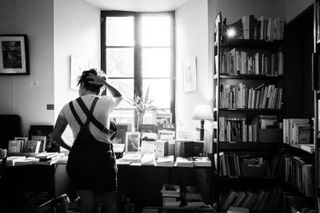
189 69
132 141
78 65
14 57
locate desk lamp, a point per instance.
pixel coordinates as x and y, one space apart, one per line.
202 112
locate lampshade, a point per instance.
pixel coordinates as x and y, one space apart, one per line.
202 112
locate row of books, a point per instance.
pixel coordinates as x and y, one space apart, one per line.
266 199
246 165
296 131
237 62
23 145
262 28
262 128
138 159
299 172
242 97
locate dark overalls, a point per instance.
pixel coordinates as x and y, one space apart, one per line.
91 164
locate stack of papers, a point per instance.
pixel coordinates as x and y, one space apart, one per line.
165 161
184 162
201 161
130 157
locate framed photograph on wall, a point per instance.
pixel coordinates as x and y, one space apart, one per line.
14 57
132 141
78 65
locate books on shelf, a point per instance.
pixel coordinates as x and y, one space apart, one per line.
242 96
308 147
299 172
296 131
258 28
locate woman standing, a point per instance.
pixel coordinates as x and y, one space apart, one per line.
91 164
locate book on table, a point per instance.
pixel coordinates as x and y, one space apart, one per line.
32 146
165 161
15 146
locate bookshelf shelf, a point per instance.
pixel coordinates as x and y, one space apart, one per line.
250 43
248 146
249 77
272 111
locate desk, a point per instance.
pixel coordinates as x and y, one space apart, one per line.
141 183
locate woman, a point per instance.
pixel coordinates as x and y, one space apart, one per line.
91 163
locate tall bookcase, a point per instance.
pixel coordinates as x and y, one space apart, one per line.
248 88
316 96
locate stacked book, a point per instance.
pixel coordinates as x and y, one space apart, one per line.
166 161
193 198
171 195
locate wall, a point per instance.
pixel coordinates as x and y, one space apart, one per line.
295 7
34 18
76 32
191 41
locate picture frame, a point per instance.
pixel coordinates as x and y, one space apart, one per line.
14 55
189 71
132 142
77 66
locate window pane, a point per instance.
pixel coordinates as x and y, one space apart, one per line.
120 62
159 92
156 62
120 31
123 117
125 86
156 30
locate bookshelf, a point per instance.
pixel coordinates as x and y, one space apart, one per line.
248 83
316 96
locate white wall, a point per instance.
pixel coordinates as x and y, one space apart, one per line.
191 41
34 18
76 32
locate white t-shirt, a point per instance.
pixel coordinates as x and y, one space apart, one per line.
101 112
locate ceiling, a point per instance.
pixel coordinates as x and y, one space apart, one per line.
138 5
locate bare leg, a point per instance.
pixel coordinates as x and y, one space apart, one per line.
109 201
87 204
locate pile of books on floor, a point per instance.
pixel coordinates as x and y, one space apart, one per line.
171 195
175 196
192 197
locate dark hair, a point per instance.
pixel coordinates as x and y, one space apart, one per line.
84 80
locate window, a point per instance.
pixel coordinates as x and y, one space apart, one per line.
137 53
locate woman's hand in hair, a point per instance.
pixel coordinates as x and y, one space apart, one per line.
98 80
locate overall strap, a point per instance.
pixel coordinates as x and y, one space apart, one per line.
91 118
91 109
76 116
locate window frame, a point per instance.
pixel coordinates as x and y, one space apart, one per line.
137 77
